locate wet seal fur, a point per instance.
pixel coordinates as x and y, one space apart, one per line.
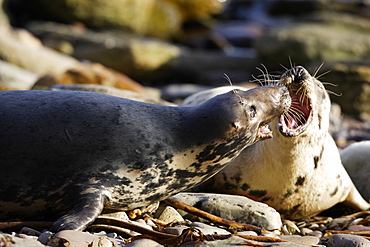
71 154
299 171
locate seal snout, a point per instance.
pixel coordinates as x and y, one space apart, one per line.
279 103
296 75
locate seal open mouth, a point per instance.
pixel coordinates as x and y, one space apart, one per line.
294 122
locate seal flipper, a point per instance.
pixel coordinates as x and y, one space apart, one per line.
355 200
83 213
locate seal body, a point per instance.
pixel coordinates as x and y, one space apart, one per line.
299 171
71 154
356 160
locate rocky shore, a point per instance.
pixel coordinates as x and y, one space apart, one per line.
165 226
163 51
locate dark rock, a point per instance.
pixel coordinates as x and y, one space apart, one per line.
347 240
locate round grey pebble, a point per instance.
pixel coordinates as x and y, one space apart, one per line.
347 240
44 237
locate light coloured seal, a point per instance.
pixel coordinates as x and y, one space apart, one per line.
299 171
356 160
66 155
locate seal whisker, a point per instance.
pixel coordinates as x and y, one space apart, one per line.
233 89
334 93
292 65
317 70
267 77
323 73
266 81
257 80
329 83
286 69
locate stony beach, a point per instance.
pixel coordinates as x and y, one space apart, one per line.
162 51
163 225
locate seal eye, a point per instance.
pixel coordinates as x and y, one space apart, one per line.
252 111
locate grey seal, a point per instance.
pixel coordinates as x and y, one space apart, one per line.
66 156
298 172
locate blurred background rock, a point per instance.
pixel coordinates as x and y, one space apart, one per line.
182 46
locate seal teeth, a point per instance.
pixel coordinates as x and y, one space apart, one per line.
295 121
264 132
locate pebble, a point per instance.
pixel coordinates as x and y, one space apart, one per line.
232 207
80 239
314 227
25 236
232 241
170 215
209 230
238 241
347 240
322 228
44 237
306 231
144 242
358 228
176 230
290 228
307 240
247 233
339 222
119 215
269 234
12 241
30 231
316 234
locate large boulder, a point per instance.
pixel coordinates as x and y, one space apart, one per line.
321 38
142 58
352 85
158 18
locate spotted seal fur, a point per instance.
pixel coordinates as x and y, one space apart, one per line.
299 171
71 154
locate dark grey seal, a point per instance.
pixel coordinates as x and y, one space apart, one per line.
65 156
